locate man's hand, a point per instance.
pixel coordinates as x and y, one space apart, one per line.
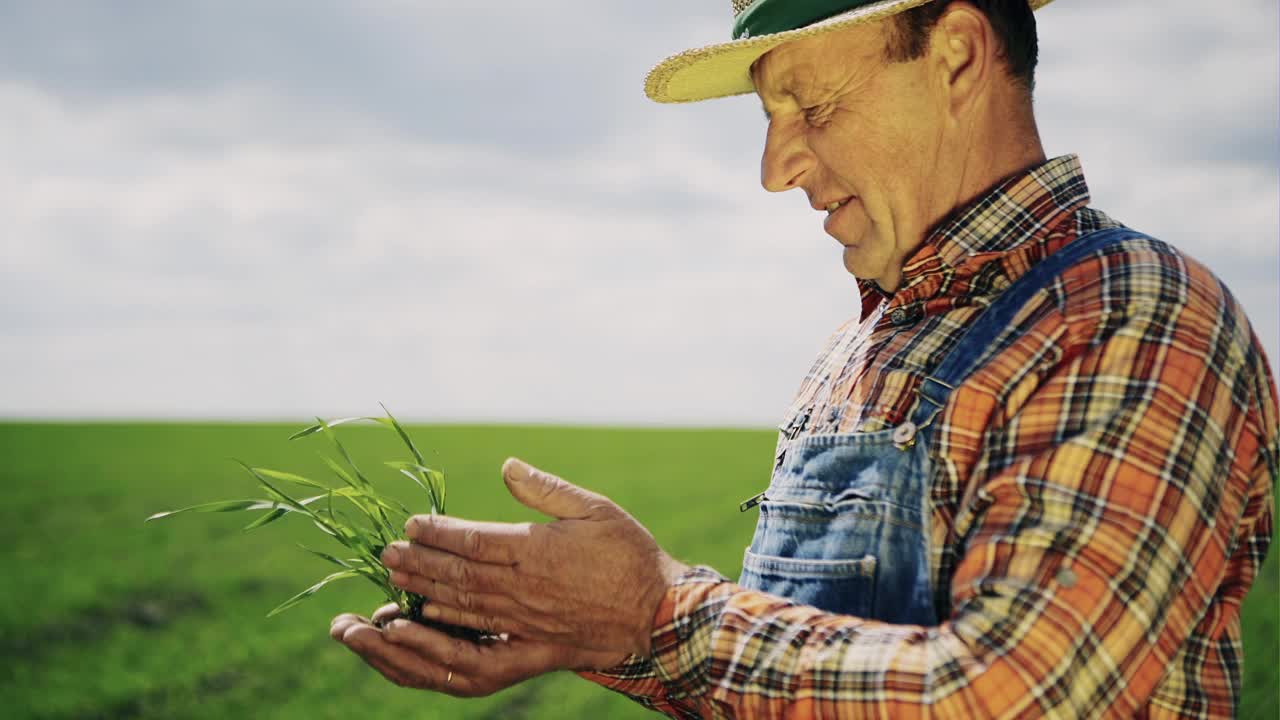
411 655
591 580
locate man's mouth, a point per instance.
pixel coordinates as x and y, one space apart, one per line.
835 205
833 209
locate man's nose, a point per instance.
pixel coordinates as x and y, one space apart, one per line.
786 157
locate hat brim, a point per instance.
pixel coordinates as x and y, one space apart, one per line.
724 69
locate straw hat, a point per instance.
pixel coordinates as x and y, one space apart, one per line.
758 27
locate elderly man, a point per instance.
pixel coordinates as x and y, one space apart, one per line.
1034 477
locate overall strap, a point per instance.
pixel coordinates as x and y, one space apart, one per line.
974 347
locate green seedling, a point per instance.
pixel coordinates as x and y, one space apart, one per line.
376 521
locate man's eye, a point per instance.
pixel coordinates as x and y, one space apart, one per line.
818 115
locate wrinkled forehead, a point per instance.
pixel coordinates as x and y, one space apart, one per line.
816 62
784 69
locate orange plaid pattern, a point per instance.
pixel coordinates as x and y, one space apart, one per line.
1101 497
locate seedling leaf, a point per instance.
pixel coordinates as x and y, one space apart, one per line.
327 556
290 477
342 450
403 435
337 470
385 515
219 506
340 575
278 510
323 424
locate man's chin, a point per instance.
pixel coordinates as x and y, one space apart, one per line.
856 264
848 266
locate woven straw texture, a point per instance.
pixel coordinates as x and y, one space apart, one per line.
722 70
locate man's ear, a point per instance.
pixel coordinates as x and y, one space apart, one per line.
963 50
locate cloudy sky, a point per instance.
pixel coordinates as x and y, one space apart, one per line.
277 209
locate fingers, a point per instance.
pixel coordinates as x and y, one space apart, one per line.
342 622
412 655
450 616
492 614
490 542
347 629
401 665
461 656
407 560
366 642
485 667
438 593
492 623
386 614
553 496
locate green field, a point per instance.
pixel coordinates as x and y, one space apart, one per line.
102 616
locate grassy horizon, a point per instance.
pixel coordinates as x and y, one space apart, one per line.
103 616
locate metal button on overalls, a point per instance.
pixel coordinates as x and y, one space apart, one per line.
905 434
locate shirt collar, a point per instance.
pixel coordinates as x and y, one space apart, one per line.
1021 208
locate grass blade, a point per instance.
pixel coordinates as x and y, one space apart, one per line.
343 531
403 435
434 478
325 529
387 503
280 495
278 510
294 504
291 477
270 517
337 470
322 424
340 575
434 485
378 519
327 556
358 498
342 450
381 524
430 490
417 467
219 506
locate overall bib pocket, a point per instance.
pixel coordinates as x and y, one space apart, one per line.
847 587
840 527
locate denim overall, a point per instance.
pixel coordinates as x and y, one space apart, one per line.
844 524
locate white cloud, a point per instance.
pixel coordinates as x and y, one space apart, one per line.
219 242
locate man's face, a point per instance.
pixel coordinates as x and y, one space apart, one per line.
849 127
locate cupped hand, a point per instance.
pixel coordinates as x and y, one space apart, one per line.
412 655
592 579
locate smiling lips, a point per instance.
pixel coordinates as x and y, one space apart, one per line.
832 206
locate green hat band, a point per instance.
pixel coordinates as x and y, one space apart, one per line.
765 17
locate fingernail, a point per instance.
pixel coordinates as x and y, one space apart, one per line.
390 556
430 612
511 466
399 578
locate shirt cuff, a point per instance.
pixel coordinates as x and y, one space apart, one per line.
680 648
633 676
651 680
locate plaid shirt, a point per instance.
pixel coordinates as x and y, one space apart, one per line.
1101 496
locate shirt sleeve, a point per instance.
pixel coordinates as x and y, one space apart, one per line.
1096 540
637 677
